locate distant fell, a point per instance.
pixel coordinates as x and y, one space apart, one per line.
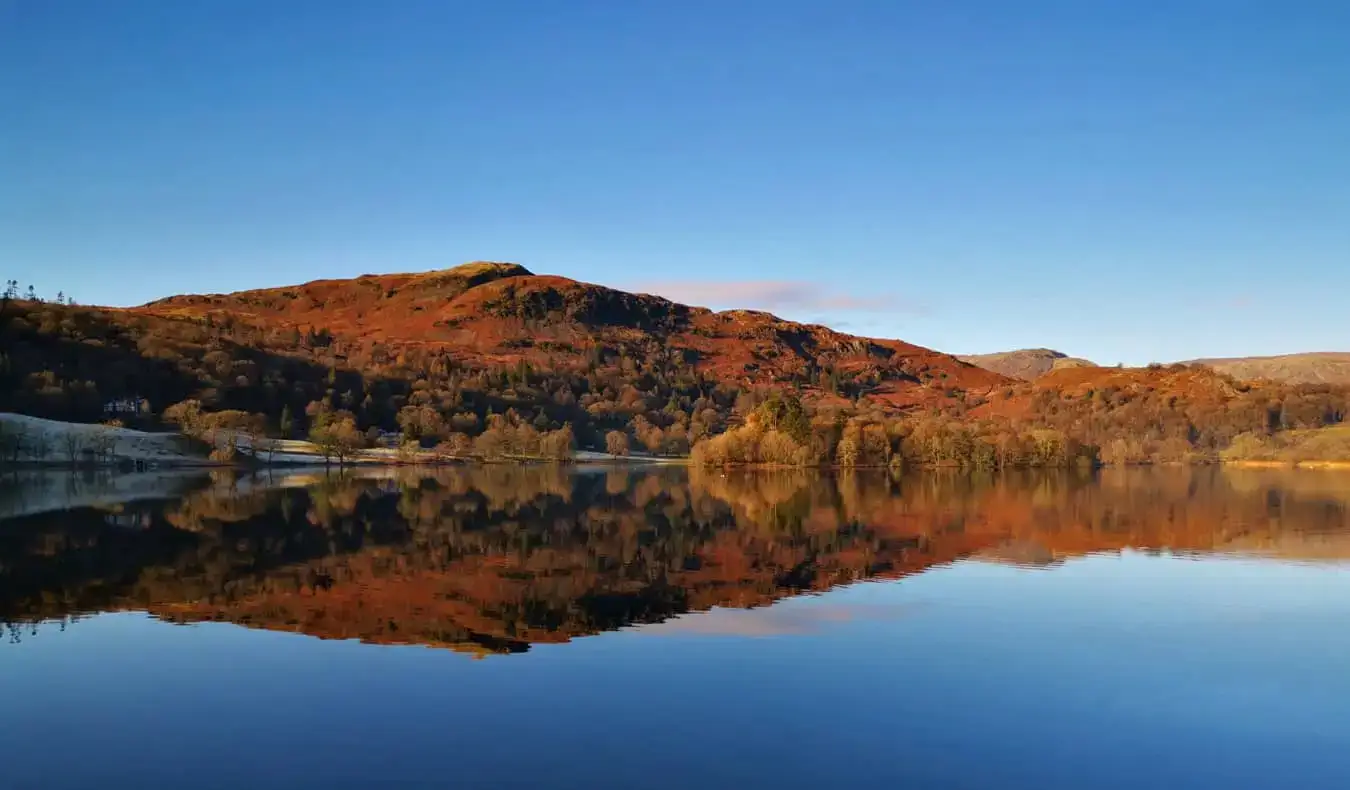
1026 364
1325 367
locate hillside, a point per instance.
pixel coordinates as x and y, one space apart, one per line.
1025 364
484 347
493 360
1164 413
498 315
1328 367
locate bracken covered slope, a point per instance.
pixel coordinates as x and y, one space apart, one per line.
500 314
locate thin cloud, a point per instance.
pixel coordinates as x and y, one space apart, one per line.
775 295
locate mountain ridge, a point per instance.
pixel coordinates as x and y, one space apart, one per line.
487 358
1314 367
500 314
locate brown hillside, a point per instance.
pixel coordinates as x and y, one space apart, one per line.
1328 367
499 314
1025 364
490 357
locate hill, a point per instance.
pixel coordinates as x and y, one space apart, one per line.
499 315
492 360
476 348
1328 367
1025 364
1164 412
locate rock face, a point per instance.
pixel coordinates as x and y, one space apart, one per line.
1026 364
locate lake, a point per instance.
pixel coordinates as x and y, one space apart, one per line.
601 627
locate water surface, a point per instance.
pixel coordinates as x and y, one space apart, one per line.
527 627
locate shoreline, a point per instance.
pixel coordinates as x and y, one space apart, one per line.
1316 465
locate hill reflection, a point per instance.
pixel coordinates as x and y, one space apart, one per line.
492 560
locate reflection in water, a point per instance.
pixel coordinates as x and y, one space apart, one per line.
495 559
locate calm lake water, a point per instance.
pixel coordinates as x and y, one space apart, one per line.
540 627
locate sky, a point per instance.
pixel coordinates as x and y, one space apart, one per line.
1124 181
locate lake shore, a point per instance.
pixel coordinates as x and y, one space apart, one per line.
56 445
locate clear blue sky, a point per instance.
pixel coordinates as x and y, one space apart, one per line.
1128 181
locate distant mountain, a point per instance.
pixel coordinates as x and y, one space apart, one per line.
1025 364
1328 367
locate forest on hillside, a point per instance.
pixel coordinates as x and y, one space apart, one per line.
84 364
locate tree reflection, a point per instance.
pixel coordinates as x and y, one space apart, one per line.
493 559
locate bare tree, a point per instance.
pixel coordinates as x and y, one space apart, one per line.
39 446
71 445
13 440
267 445
104 443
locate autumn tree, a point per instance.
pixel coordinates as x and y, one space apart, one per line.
558 445
616 443
187 415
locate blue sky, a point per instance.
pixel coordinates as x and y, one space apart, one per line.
1126 181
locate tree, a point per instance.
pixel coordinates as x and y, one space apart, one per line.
187 415
616 443
557 445
13 440
459 444
266 445
849 449
71 445
324 441
337 437
408 452
39 446
104 443
347 439
11 293
490 444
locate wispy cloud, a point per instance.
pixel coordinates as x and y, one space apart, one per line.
775 295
